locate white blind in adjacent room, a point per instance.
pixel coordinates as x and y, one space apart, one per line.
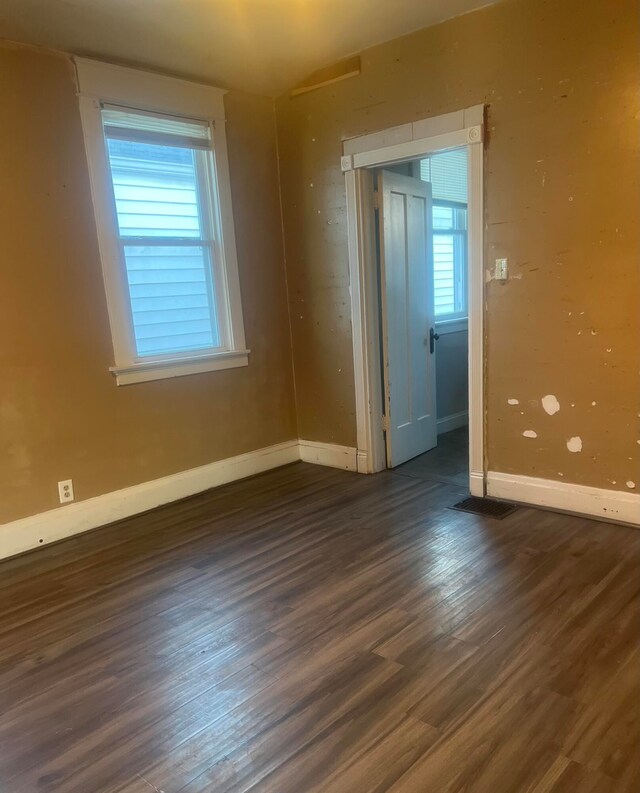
447 172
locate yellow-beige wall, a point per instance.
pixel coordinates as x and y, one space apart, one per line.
560 81
561 196
61 414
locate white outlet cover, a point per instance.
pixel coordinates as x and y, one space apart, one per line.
65 491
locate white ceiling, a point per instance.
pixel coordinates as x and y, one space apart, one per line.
264 46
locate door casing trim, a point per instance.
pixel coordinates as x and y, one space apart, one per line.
399 144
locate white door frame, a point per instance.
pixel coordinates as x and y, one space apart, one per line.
408 142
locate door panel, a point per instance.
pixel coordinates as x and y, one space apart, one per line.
406 264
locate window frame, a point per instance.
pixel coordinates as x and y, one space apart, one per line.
453 321
104 84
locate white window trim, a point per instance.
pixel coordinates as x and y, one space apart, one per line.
100 83
463 314
444 326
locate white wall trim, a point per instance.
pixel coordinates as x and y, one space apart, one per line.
453 422
329 454
615 505
148 90
58 524
405 142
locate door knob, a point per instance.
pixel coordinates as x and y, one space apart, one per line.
433 338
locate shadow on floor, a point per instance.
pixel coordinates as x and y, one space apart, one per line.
448 462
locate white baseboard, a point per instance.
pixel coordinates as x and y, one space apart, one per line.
476 483
57 524
329 454
363 465
453 422
595 502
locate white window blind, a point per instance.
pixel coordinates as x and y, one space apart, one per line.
161 176
450 260
447 172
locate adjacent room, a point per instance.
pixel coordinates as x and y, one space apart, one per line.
320 405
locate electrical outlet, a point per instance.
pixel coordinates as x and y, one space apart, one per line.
65 491
502 270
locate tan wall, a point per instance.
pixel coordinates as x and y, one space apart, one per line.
61 413
561 182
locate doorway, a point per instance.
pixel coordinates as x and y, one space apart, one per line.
403 169
421 227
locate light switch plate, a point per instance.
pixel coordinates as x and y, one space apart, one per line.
502 270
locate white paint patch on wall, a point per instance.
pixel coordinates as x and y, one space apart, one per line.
530 434
575 444
513 401
631 484
550 404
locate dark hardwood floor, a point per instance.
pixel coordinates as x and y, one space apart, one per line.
447 463
316 630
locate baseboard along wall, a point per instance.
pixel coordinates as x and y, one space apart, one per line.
594 502
453 422
66 521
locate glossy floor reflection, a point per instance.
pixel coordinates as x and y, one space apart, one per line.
312 630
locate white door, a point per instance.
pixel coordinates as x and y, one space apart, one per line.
406 264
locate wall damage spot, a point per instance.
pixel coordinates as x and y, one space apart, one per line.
575 444
530 434
513 401
550 404
631 485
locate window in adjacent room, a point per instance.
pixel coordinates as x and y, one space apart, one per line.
447 172
168 255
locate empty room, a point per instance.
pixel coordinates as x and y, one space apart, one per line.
320 402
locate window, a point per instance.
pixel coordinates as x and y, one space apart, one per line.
162 201
450 260
447 173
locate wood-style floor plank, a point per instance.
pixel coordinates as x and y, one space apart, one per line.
315 631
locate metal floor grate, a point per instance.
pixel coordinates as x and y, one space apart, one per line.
485 506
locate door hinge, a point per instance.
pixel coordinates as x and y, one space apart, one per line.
376 200
385 423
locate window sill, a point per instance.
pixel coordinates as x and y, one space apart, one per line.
178 367
452 325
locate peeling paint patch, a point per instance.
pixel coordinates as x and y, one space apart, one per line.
593 404
575 444
530 434
550 404
513 401
631 485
